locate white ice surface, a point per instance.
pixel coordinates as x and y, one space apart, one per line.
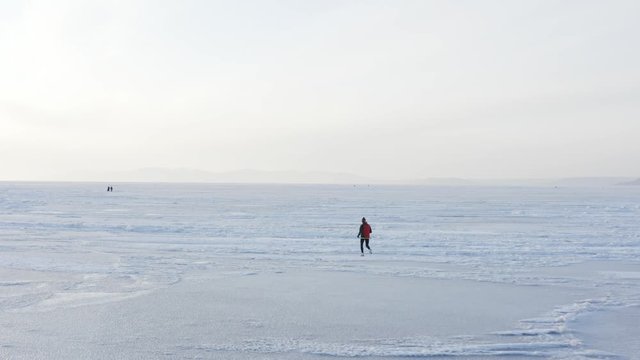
228 271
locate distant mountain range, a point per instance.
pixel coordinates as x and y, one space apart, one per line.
632 183
593 181
317 177
239 176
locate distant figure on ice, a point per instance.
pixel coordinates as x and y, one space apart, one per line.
364 234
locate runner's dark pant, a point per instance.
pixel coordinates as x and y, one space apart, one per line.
364 241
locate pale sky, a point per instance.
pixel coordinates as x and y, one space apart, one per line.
387 89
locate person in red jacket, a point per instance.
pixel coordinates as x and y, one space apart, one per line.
364 234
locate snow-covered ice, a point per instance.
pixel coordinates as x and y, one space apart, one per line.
184 271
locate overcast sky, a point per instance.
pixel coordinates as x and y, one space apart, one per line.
388 89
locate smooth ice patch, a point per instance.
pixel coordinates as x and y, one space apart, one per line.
66 300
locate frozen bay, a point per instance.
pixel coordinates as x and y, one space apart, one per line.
273 271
